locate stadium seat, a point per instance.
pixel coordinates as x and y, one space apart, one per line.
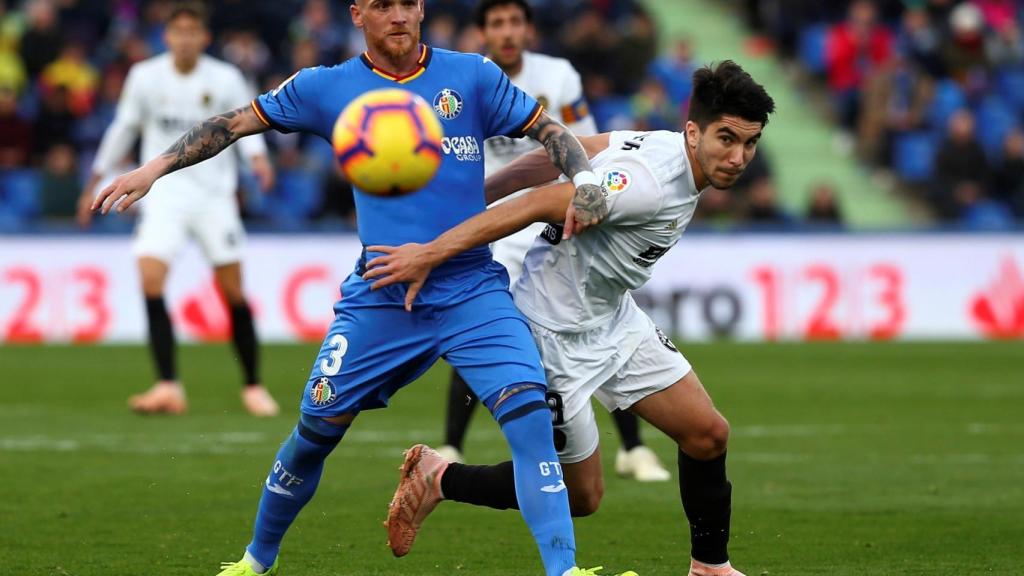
914 156
994 118
613 113
297 196
948 99
9 222
1010 84
320 153
20 192
812 47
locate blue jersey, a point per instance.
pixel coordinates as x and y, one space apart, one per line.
473 99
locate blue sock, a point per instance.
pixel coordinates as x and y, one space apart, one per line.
292 481
525 420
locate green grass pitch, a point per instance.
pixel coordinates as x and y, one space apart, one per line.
846 459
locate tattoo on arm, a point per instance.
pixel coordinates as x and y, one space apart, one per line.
208 138
565 150
570 157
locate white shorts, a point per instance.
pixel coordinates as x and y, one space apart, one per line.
163 229
620 363
511 250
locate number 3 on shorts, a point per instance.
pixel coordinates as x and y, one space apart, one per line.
332 365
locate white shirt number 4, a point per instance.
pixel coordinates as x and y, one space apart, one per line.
331 365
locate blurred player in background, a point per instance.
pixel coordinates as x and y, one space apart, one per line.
163 96
506 26
465 314
594 339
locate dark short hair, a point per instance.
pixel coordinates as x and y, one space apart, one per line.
726 89
195 10
485 6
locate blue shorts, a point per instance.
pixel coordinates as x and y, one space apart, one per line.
374 347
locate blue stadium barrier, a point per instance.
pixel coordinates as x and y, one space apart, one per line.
813 41
914 156
19 190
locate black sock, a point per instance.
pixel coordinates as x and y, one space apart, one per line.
492 486
161 338
461 402
707 500
243 332
629 429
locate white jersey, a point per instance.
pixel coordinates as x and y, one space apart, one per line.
163 104
557 86
578 284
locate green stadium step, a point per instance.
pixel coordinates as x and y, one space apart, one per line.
799 142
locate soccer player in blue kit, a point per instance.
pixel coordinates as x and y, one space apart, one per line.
464 313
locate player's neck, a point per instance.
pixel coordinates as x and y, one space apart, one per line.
513 70
185 65
396 65
700 181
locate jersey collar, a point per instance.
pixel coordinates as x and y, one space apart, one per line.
421 66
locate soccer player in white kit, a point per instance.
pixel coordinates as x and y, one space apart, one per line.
163 97
506 26
593 338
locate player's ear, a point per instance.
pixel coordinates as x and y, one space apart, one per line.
357 15
692 131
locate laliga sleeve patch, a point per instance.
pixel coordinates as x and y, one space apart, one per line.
322 392
616 181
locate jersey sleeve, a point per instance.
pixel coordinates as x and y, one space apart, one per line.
634 194
506 110
575 113
294 106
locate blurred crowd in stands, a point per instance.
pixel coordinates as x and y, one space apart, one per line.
932 90
63 63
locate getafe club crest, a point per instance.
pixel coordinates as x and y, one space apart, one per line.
322 392
448 104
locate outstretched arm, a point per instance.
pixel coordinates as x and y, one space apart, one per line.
567 154
412 263
533 169
205 140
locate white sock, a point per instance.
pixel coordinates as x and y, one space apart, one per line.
714 565
254 563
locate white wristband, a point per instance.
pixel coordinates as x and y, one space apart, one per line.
586 177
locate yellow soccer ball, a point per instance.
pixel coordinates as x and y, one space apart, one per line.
388 142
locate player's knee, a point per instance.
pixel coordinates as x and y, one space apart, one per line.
152 286
343 420
233 295
586 501
710 442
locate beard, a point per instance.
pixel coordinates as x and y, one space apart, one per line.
395 51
